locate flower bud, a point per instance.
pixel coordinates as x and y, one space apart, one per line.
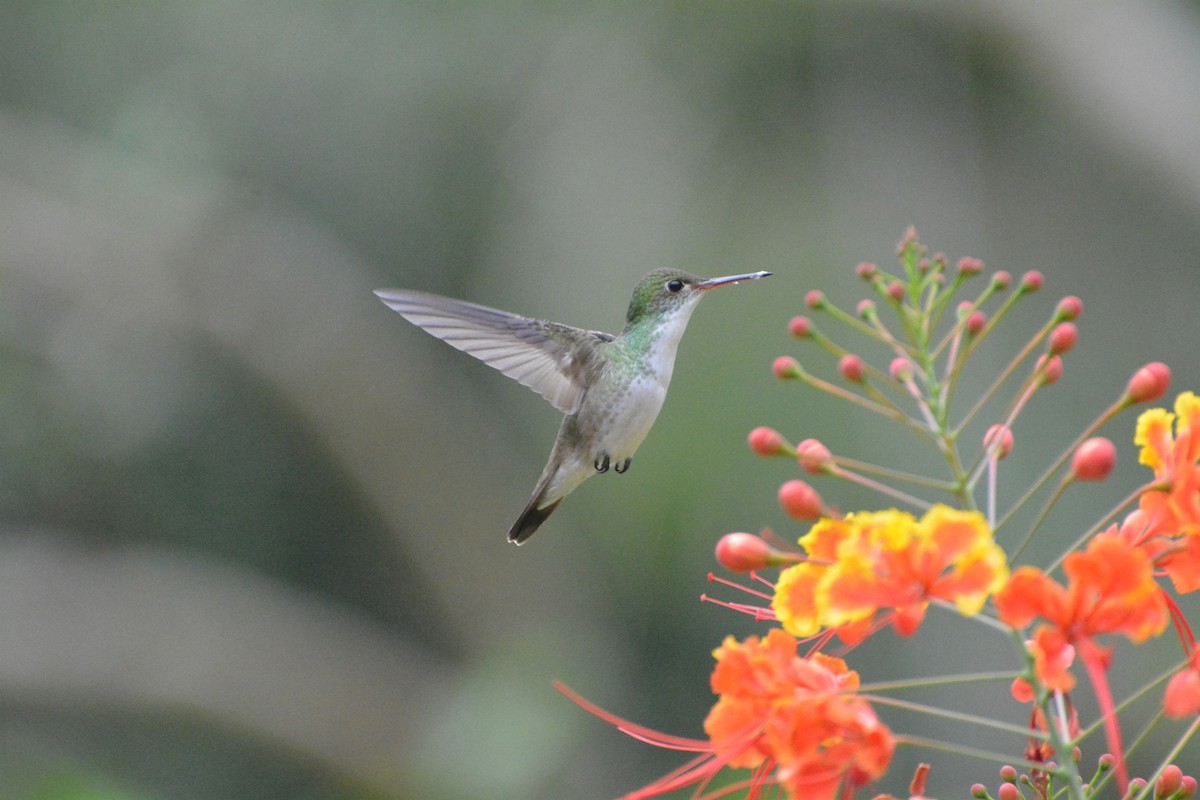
1149 383
1008 791
1136 786
1106 762
1094 459
767 441
1050 369
850 367
978 790
785 368
800 327
916 786
1169 781
968 265
800 501
814 457
1187 787
975 323
908 239
866 270
1001 280
1032 281
1070 307
815 299
742 552
895 291
1008 773
1006 440
901 369
864 308
1063 337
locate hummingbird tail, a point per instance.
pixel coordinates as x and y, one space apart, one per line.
531 519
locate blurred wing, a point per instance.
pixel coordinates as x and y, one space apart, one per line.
532 352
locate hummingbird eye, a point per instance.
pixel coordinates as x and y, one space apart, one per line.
674 285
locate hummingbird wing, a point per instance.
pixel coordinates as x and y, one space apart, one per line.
532 352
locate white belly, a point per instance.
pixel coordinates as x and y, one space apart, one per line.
631 418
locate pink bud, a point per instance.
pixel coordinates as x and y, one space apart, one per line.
916 787
1149 383
901 369
978 790
800 327
866 270
895 291
800 501
814 457
976 323
909 238
850 367
1135 787
1006 440
865 307
1032 281
767 441
1187 787
1170 780
1001 280
1008 773
1070 307
1063 337
970 266
815 299
1106 762
742 552
1008 791
1050 369
923 265
1094 459
786 367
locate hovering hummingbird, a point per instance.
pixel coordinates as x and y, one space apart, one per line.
611 388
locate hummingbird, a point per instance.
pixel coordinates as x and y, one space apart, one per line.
610 388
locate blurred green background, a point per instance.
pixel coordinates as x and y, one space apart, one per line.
252 542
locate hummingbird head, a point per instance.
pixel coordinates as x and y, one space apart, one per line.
664 292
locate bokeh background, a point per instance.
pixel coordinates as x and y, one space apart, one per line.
252 542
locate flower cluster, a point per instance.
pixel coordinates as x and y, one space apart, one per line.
799 714
801 723
888 561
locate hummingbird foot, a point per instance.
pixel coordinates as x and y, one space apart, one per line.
601 463
623 467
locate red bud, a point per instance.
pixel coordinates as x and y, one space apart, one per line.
1149 383
766 441
800 501
786 367
850 367
814 457
1094 459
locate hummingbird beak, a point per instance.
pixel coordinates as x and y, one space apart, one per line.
712 283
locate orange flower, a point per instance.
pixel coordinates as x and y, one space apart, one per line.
799 714
1177 557
874 561
796 722
1110 589
1170 445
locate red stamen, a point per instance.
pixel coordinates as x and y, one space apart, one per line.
753 576
639 732
1182 628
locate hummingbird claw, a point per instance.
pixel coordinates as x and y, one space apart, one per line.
623 467
601 464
